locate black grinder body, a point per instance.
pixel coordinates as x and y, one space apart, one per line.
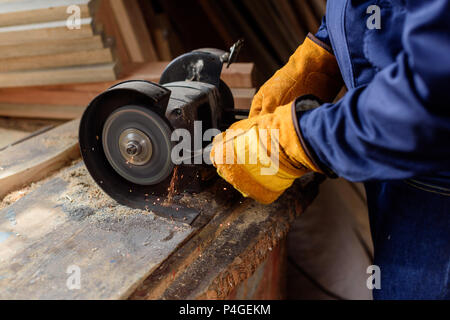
190 92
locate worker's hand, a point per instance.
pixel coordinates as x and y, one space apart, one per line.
311 70
262 156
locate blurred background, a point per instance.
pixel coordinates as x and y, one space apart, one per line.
272 29
158 30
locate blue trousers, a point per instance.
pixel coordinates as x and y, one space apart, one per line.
410 225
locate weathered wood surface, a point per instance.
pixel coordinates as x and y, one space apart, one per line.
238 75
8 136
25 11
229 249
58 60
49 30
35 158
118 249
49 47
65 75
58 226
269 281
123 253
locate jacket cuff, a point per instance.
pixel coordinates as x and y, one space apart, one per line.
320 43
300 105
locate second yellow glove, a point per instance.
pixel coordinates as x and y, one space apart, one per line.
311 70
262 156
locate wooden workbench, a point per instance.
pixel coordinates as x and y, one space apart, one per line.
54 220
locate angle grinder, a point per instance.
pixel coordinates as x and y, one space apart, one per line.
126 133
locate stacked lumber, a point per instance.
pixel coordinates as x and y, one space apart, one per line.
69 101
141 33
52 42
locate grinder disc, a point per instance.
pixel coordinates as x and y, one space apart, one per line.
137 144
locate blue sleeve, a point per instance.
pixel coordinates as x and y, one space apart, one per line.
322 33
397 126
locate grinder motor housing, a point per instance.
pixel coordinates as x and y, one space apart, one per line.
125 133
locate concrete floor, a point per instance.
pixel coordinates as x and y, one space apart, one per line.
330 246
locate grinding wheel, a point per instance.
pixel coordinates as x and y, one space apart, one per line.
137 145
126 147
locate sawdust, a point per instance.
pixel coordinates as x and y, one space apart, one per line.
84 199
16 195
27 125
65 138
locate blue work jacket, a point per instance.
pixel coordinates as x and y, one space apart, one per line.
392 131
394 122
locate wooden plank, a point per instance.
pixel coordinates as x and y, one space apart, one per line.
214 16
283 27
37 111
68 101
307 16
228 250
237 22
27 125
161 37
69 105
243 97
105 18
8 136
286 11
134 30
51 30
319 7
70 59
35 158
83 74
238 75
124 253
26 12
271 30
9 6
66 223
47 47
160 29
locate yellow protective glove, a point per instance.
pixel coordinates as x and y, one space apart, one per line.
262 156
312 69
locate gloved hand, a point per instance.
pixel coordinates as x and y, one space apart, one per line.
263 155
310 70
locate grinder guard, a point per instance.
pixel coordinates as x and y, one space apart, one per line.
138 115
